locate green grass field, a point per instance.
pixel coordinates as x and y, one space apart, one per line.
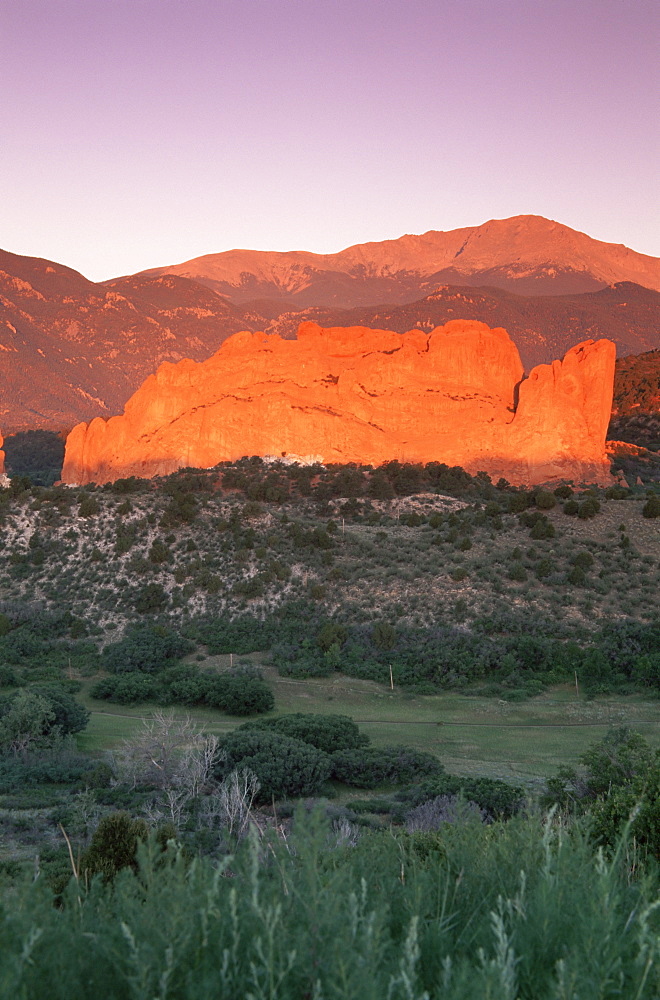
471 735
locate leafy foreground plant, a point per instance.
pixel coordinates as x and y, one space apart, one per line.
507 912
619 783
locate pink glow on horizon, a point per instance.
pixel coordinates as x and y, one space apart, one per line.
137 133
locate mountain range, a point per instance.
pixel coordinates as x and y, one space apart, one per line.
72 349
526 254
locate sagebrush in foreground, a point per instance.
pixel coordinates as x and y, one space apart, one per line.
502 912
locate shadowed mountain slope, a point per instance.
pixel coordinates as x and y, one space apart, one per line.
71 349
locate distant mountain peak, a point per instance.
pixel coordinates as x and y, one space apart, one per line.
528 254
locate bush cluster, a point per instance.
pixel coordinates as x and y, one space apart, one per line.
329 733
497 799
239 692
285 766
44 767
45 646
368 767
295 754
65 714
623 653
277 482
146 649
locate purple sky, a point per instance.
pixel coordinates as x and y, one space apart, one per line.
136 133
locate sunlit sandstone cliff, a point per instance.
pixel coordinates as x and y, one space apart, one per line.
360 395
2 456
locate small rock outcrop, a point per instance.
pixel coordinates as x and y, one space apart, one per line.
455 395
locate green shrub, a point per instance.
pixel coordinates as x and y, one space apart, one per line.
620 757
652 506
239 693
369 767
545 500
129 485
184 685
58 766
243 635
113 846
147 649
517 572
518 502
498 799
68 714
182 509
542 529
329 635
100 776
384 636
621 760
484 911
544 568
251 588
127 689
126 535
8 676
89 506
285 767
646 670
530 518
636 806
159 553
588 508
150 599
584 560
325 732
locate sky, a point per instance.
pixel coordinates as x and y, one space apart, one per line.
139 133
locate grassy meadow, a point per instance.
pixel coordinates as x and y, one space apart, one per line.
516 741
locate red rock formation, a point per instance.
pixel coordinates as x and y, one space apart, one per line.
2 456
360 395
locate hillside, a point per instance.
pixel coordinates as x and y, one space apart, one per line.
405 543
636 411
526 254
637 385
71 349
